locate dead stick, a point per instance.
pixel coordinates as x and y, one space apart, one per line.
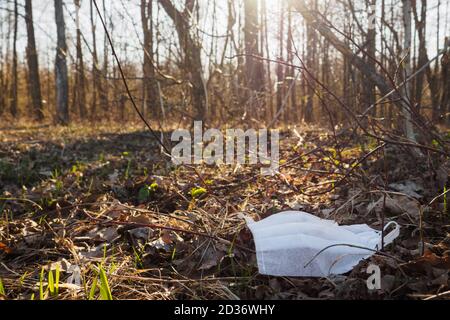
174 229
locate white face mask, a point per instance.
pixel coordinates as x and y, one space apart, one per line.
290 244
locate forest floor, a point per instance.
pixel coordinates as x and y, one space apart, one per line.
106 201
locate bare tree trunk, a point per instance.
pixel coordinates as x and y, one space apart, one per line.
369 88
358 62
253 66
265 35
80 84
312 67
33 64
192 54
346 84
382 32
62 83
104 94
14 82
292 114
2 89
148 67
95 76
394 43
304 84
326 67
445 78
371 73
422 61
280 66
407 23
97 79
3 63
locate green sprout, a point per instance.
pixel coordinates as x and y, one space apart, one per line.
198 192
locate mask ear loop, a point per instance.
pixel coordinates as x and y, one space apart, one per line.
391 236
247 219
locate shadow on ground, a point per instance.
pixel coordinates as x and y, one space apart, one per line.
28 160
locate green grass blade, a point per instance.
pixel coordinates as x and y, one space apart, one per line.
57 274
93 288
105 290
2 288
41 286
51 283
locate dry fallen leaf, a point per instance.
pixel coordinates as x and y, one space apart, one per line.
94 253
211 258
141 233
140 219
396 205
409 188
104 235
429 261
160 244
5 248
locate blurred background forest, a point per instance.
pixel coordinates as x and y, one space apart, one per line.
251 61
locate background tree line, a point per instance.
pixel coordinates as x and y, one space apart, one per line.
253 61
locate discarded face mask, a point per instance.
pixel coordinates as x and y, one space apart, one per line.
298 244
